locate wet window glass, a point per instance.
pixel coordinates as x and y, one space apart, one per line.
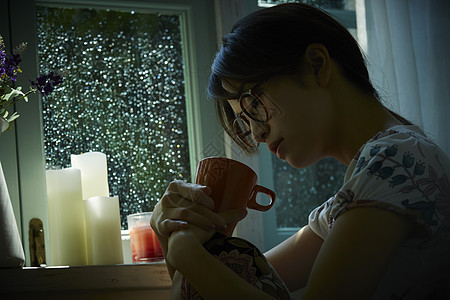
299 191
123 95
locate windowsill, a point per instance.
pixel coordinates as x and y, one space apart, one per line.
96 281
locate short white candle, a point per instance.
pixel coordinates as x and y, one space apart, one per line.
104 241
66 218
94 173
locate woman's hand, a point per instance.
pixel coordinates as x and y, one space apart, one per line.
186 203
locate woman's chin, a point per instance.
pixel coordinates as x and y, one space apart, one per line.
299 163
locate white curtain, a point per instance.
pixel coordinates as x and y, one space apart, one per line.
407 43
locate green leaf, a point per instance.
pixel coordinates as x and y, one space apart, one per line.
13 117
14 93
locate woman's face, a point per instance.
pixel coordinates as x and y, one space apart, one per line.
300 129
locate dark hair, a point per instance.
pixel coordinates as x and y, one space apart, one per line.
273 41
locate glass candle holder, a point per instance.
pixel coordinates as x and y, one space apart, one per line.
144 244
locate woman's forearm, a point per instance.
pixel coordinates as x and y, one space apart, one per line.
294 258
170 268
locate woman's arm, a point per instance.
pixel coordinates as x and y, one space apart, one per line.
293 259
360 246
210 277
356 254
184 203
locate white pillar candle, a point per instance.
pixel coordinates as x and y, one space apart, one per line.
104 241
66 217
94 173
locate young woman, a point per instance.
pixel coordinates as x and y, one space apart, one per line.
294 79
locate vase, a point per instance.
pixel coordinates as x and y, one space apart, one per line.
4 125
11 250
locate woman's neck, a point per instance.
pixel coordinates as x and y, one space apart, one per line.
359 117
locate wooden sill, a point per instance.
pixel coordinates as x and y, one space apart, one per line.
90 282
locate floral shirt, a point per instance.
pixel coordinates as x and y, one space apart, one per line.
401 170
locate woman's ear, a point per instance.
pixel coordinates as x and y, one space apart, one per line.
317 57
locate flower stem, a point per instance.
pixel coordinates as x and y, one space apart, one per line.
20 98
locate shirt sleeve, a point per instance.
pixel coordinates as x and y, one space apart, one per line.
318 219
402 173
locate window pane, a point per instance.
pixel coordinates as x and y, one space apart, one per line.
301 190
123 96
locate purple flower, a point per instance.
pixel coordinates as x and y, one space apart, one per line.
46 83
2 57
10 66
9 70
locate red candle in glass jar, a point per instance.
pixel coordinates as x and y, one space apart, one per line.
144 244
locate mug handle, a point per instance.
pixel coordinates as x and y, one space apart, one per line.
255 205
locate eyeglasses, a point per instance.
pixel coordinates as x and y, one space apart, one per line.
254 108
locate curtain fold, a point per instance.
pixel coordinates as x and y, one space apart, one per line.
407 43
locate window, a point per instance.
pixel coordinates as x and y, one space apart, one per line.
301 190
189 24
123 95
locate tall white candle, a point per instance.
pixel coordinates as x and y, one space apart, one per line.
66 217
94 173
104 241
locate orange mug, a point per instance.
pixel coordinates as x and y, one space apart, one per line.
233 185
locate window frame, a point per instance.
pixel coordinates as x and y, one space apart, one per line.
22 151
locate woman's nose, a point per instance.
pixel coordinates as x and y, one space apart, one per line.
260 131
